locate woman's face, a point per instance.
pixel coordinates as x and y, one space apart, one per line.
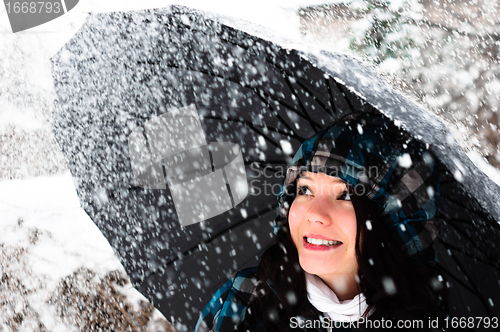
323 226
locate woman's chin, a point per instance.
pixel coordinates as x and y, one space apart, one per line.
320 267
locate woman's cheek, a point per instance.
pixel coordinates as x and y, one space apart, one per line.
294 216
348 224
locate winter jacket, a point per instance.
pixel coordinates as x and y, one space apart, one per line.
228 305
227 308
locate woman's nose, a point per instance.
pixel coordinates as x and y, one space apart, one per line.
320 211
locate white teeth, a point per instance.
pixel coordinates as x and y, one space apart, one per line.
322 242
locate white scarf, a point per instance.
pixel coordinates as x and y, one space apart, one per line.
325 300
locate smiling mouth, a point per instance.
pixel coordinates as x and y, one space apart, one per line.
320 242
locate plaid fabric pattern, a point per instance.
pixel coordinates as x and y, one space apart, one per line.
372 155
227 307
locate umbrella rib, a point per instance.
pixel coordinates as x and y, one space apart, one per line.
254 216
462 221
332 101
320 103
215 236
279 117
282 69
455 278
462 233
463 252
258 92
246 163
341 89
473 285
277 130
480 214
294 92
267 138
472 291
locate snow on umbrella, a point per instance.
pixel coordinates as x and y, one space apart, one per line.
177 129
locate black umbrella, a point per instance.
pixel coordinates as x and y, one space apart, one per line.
173 95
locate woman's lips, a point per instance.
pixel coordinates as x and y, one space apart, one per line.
319 242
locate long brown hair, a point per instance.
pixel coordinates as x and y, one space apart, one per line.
394 285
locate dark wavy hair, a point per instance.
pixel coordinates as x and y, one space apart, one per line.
414 292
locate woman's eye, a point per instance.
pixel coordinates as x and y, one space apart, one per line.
345 196
303 190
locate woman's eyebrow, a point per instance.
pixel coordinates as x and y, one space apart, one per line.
303 176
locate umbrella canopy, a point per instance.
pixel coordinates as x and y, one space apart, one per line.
162 114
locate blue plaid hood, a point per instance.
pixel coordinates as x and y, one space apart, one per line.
369 153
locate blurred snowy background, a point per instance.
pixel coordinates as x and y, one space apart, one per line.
57 271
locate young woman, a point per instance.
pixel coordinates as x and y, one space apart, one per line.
355 239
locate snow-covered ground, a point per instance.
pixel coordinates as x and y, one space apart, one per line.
67 238
45 238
